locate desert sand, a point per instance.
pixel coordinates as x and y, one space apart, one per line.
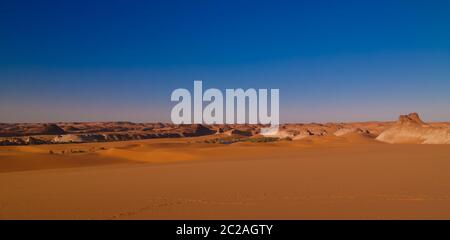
347 175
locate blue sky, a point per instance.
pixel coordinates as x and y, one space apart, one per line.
120 60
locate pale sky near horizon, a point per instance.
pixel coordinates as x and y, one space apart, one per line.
331 60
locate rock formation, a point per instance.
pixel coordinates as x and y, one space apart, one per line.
411 129
52 129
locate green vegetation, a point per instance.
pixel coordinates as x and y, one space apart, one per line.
234 139
262 139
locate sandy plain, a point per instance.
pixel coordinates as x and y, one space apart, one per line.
330 177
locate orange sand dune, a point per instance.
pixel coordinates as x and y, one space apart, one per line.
346 177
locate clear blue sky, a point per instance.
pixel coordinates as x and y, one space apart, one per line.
120 60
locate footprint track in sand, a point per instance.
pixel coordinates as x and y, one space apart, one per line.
172 203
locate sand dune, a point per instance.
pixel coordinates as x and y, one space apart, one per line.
148 155
307 171
314 178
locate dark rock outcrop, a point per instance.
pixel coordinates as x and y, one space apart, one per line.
52 129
